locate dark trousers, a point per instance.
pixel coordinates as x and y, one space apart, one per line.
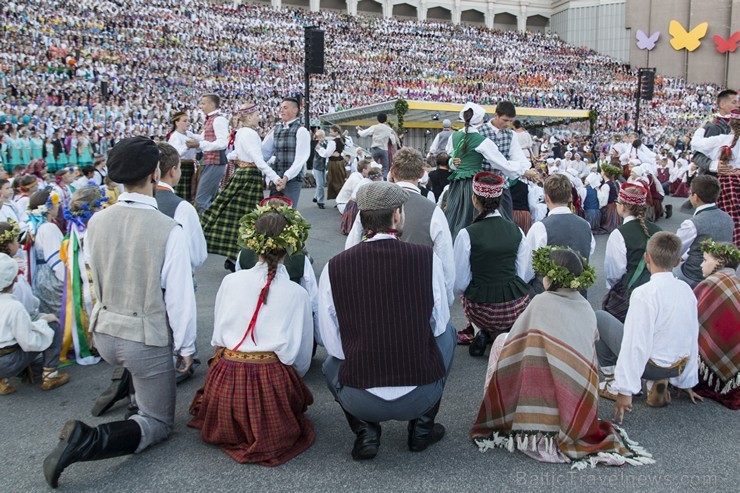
13 364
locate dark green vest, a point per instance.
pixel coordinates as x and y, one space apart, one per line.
471 161
294 264
636 242
494 243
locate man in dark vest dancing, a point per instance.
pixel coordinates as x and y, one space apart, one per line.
383 318
291 148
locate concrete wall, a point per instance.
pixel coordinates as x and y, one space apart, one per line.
705 64
599 25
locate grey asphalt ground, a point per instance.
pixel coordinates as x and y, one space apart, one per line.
696 446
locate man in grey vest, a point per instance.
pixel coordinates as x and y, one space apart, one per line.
708 222
290 146
727 101
498 130
425 223
145 309
561 227
439 144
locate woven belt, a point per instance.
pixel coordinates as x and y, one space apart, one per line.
9 349
243 164
679 365
257 357
186 161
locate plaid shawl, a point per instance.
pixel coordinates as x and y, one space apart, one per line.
545 387
719 337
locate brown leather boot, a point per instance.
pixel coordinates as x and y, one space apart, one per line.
5 387
51 379
658 395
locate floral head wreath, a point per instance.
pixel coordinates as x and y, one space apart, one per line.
560 276
722 251
292 239
50 202
611 170
13 233
82 215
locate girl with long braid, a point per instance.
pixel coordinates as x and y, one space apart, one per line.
263 333
725 150
492 265
624 262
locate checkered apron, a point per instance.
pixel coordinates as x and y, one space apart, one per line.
221 220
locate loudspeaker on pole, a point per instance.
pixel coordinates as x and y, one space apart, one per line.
314 44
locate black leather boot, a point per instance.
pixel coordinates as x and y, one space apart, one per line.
423 431
120 388
79 443
367 442
477 348
668 211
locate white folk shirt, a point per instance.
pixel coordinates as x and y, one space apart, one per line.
9 210
329 324
463 271
221 129
615 256
439 232
248 149
380 133
178 141
662 325
345 194
687 230
537 234
176 279
284 324
16 327
187 217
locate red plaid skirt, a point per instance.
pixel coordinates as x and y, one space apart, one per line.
254 411
495 316
729 201
523 219
610 220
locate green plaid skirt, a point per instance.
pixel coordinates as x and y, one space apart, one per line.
184 188
221 220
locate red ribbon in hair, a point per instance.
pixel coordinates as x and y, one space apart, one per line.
253 322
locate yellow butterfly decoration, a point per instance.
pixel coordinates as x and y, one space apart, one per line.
683 39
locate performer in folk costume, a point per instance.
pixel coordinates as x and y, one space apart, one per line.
541 392
26 345
658 341
725 149
727 101
468 149
610 219
145 309
253 402
178 137
244 191
336 174
10 245
624 262
77 299
718 299
494 293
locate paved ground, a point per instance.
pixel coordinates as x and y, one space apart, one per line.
696 447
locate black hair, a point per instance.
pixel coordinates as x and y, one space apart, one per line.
506 108
382 117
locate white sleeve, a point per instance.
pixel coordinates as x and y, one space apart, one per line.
690 376
366 132
435 144
441 309
524 260
637 344
302 361
179 296
221 129
593 246
328 323
31 336
490 153
687 233
355 235
186 215
302 153
442 243
449 147
248 144
49 240
309 283
268 145
517 158
615 258
463 274
536 236
178 144
331 146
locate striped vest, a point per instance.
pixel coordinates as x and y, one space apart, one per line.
285 147
210 157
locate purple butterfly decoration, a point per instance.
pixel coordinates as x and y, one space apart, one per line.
645 42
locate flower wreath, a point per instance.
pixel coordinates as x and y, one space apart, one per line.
611 170
44 208
292 239
10 235
83 215
560 276
721 250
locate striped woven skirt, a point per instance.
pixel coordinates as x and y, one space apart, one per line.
459 210
610 220
593 216
221 220
523 219
495 317
336 175
348 217
184 188
729 200
253 407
